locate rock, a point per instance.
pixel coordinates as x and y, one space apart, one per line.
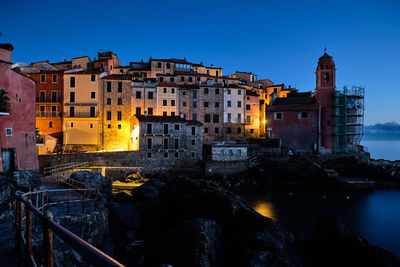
7 195
195 242
91 180
332 244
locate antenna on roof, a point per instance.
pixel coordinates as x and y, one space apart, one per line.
325 50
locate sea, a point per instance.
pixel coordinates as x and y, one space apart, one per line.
382 149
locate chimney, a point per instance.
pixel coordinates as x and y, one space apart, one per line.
150 58
184 58
212 65
141 60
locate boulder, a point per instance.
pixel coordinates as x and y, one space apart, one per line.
195 242
91 180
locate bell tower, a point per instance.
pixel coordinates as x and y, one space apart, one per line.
325 94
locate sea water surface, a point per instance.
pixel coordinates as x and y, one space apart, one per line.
382 149
372 214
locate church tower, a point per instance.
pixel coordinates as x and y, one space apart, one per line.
325 94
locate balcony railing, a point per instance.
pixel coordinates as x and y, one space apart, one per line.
82 115
5 108
51 114
49 99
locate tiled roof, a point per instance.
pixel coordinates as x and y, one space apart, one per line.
173 60
118 77
9 47
165 84
84 72
298 99
166 119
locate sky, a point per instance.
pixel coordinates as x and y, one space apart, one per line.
278 40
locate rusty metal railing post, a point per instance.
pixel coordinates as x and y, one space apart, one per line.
18 229
83 200
97 197
48 241
69 197
47 200
28 232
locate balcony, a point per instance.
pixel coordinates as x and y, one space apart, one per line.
49 99
47 114
82 115
5 109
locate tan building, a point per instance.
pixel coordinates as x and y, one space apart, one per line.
167 99
81 62
81 125
144 97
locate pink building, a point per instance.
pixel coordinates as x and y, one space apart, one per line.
17 117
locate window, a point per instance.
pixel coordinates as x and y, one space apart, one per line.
53 111
165 143
150 111
230 152
149 128
91 125
278 115
72 111
251 130
217 91
55 79
229 130
168 65
119 87
217 104
326 77
239 118
193 142
172 90
72 82
194 104
207 118
110 67
229 117
193 130
149 143
161 79
119 115
248 119
108 101
208 72
205 90
176 127
182 78
206 104
43 78
193 154
165 90
190 79
92 78
109 126
216 130
247 107
138 111
165 129
176 155
93 95
108 86
108 115
138 95
42 96
92 112
205 130
194 93
194 116
166 155
176 143
150 95
239 104
159 65
173 103
50 124
149 155
165 103
119 126
215 118
221 152
119 101
229 104
303 115
184 93
184 104
72 97
164 113
239 130
239 92
53 96
172 79
239 152
229 91
71 125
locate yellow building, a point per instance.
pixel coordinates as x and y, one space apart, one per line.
167 99
81 123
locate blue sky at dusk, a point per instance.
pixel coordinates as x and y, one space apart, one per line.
279 40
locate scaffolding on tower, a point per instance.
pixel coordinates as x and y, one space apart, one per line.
349 119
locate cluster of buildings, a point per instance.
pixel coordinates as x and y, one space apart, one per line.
174 108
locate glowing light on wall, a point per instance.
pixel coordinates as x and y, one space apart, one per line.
266 209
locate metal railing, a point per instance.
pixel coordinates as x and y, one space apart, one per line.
49 99
82 115
37 203
49 114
